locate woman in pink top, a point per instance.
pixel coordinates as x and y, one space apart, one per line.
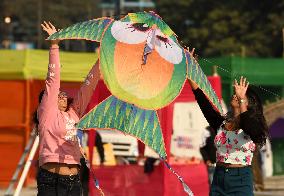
59 151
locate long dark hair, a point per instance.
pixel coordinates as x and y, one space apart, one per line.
256 111
35 117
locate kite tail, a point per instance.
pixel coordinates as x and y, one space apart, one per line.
96 182
185 186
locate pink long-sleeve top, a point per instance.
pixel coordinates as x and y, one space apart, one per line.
58 142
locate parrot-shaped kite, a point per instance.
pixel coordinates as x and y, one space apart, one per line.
144 67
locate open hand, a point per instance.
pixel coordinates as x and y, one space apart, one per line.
241 89
50 29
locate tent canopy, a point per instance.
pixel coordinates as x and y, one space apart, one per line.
22 75
32 64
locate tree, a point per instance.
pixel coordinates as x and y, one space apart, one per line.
28 14
214 28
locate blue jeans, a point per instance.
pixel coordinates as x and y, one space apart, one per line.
52 184
232 182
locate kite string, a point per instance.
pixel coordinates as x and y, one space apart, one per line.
235 75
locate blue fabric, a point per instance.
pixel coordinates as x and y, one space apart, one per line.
232 182
80 136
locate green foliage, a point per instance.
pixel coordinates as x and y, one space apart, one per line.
223 27
28 14
250 28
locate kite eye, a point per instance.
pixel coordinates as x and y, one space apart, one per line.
129 33
140 27
168 49
164 39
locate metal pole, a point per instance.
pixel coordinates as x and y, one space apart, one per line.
27 167
117 9
214 70
283 42
21 163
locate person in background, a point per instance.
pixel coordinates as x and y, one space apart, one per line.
59 151
266 159
257 172
208 152
149 165
98 143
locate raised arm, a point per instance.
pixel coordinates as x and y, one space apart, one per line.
252 123
52 82
212 116
86 91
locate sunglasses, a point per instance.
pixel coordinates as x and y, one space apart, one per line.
62 95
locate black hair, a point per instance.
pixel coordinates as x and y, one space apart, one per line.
256 110
69 102
35 118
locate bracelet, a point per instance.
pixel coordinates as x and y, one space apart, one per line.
241 101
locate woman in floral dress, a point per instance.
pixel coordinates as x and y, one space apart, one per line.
238 133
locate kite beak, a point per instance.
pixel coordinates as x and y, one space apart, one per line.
147 50
150 44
